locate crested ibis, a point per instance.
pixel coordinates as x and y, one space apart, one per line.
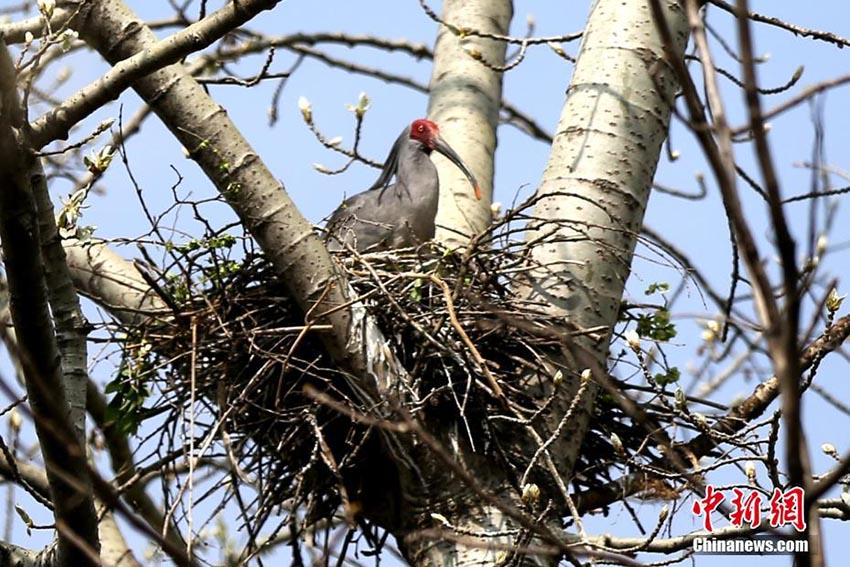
402 214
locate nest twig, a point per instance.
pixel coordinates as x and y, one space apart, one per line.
454 320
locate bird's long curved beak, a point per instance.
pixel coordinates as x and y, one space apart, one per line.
441 146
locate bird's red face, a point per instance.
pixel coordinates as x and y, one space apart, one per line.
427 133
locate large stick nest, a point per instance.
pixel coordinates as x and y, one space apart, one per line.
238 346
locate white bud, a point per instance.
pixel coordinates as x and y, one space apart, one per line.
363 101
617 443
473 52
829 449
681 399
556 48
823 242
46 7
24 516
750 469
633 339
63 75
306 109
67 38
15 420
361 107
834 301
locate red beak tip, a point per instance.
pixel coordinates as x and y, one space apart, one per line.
477 192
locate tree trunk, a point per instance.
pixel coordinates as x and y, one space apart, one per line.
63 452
591 201
596 186
465 99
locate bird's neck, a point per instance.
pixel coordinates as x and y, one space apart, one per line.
418 173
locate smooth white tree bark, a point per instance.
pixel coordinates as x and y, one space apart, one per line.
597 180
596 186
113 282
465 100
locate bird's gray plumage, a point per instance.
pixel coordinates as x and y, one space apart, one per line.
398 215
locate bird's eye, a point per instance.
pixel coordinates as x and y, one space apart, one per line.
421 128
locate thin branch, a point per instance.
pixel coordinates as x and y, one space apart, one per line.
58 122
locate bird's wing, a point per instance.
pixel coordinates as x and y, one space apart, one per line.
356 224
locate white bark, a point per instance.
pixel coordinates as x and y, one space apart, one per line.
71 331
112 281
465 99
20 557
597 181
114 549
596 186
465 96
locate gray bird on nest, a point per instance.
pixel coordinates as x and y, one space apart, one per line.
399 215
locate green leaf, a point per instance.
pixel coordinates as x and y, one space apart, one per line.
670 377
658 287
656 326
